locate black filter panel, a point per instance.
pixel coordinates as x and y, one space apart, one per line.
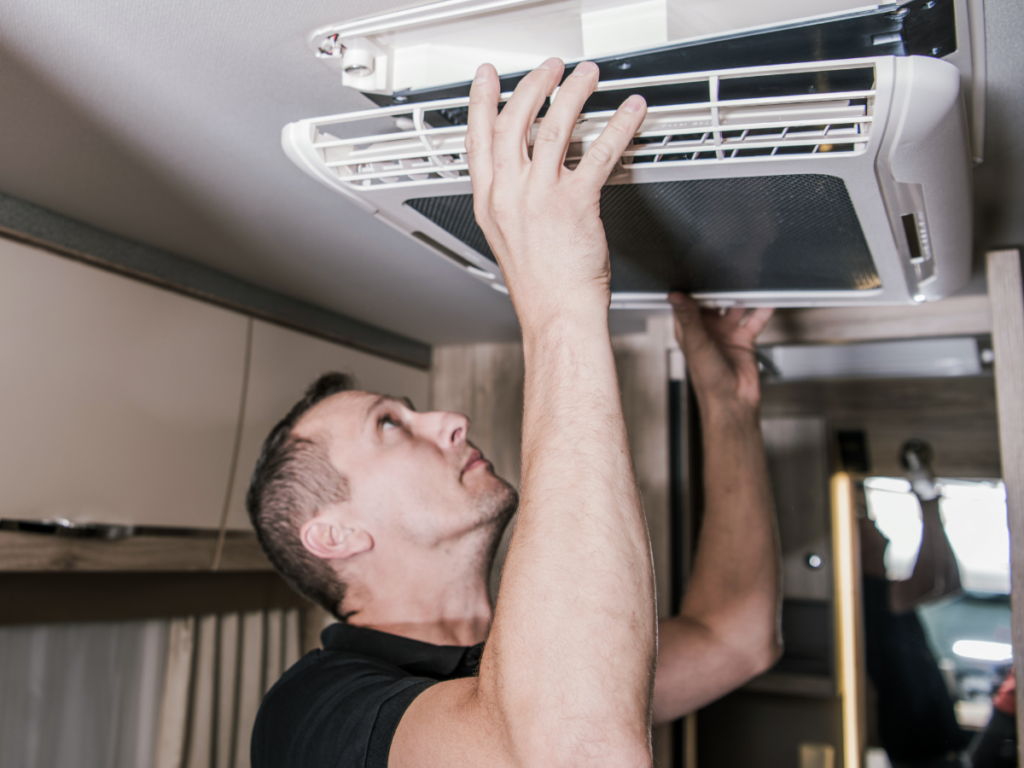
768 233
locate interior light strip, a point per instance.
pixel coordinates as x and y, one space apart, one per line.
849 619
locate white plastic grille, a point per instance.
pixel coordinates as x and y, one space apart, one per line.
712 130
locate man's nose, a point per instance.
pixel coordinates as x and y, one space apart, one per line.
449 429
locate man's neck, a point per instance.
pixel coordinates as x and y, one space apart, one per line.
430 599
461 631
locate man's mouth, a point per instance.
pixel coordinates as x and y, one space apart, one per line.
475 460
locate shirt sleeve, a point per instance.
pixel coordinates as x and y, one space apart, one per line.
388 717
333 713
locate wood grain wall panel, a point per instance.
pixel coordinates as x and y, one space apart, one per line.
484 382
283 364
119 400
797 451
957 416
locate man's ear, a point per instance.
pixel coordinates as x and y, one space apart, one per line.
327 538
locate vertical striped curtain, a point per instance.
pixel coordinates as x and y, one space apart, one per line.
81 695
169 693
218 669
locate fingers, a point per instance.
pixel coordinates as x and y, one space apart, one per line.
556 128
605 152
724 322
483 111
757 320
512 127
738 320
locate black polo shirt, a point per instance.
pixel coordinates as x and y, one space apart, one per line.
340 706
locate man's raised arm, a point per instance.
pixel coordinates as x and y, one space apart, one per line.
567 674
728 628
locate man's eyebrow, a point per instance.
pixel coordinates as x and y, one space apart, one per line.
376 404
388 399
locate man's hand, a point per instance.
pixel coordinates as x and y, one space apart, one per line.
719 349
936 573
542 220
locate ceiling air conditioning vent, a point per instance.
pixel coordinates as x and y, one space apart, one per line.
785 185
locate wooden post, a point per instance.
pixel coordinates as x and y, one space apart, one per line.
1006 293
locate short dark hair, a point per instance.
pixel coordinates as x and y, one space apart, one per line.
293 480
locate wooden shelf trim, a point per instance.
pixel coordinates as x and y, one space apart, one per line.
27 552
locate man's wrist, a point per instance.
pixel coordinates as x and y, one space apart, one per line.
719 411
581 318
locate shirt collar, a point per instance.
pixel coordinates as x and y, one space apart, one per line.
412 656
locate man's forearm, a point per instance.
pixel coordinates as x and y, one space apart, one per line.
935 572
736 571
727 630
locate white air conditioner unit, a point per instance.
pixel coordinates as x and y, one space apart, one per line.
812 184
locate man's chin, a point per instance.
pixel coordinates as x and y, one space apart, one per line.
500 503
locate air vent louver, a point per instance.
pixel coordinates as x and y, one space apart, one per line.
802 115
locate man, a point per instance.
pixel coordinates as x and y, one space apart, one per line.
389 517
916 719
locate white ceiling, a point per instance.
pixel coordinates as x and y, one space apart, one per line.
160 122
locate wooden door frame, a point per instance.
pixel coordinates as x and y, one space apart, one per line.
1006 295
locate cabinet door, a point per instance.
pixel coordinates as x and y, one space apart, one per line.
118 400
283 364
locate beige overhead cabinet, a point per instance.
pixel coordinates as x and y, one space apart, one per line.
123 405
119 401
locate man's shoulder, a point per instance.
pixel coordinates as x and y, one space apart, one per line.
333 673
327 710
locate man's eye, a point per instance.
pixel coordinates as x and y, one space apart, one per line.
386 422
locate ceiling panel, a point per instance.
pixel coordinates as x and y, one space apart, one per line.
161 122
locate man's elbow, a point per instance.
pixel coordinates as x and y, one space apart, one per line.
757 654
764 643
766 656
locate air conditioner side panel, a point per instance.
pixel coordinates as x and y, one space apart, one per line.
925 169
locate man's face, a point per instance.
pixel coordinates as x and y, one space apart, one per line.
411 475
